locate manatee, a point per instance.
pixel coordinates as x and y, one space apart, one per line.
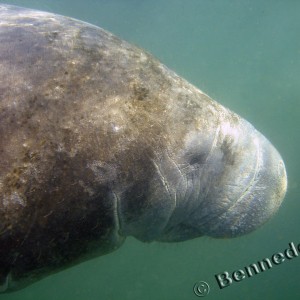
100 141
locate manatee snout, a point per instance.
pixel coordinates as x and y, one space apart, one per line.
260 198
240 183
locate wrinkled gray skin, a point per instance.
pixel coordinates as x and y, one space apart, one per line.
100 141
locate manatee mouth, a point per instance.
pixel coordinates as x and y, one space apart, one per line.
259 201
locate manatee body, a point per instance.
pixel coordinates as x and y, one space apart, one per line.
100 141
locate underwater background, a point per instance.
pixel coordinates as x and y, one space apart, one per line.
246 55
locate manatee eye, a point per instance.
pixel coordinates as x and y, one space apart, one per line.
198 159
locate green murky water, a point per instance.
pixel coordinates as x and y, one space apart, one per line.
246 55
